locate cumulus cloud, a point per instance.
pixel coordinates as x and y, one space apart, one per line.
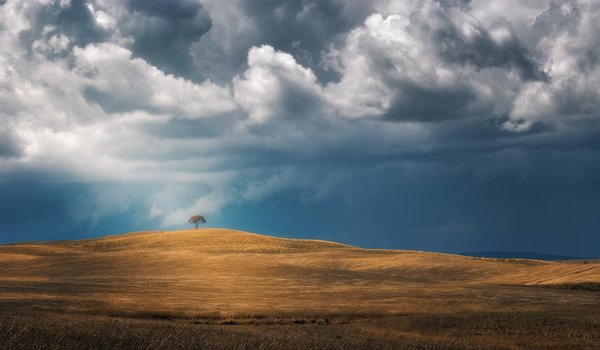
275 86
428 63
118 82
568 40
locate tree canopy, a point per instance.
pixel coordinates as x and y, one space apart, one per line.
197 219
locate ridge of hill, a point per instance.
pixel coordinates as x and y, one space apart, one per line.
522 255
206 240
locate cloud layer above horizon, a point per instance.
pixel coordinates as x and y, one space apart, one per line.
434 124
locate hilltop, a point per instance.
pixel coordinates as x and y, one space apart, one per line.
211 240
217 275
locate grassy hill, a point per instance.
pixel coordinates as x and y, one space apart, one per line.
216 277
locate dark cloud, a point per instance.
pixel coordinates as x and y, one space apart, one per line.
475 135
113 104
67 210
512 200
78 23
296 103
74 21
464 4
482 51
299 25
589 59
434 104
10 146
165 30
303 28
560 16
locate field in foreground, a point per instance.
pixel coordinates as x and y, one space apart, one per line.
214 288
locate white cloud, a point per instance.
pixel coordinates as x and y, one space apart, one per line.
395 61
276 87
103 19
209 204
571 50
55 44
132 84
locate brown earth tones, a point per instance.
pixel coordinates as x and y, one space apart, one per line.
216 288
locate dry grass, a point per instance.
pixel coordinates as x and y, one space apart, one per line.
210 286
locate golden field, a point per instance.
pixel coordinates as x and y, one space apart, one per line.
217 288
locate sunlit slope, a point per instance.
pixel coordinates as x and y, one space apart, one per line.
205 240
227 273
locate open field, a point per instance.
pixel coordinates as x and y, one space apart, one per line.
214 288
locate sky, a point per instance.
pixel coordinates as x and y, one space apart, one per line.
443 125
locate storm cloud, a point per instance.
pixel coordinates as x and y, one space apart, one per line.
447 125
163 32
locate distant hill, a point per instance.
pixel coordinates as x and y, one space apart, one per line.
520 255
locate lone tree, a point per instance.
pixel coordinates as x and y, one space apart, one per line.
197 219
